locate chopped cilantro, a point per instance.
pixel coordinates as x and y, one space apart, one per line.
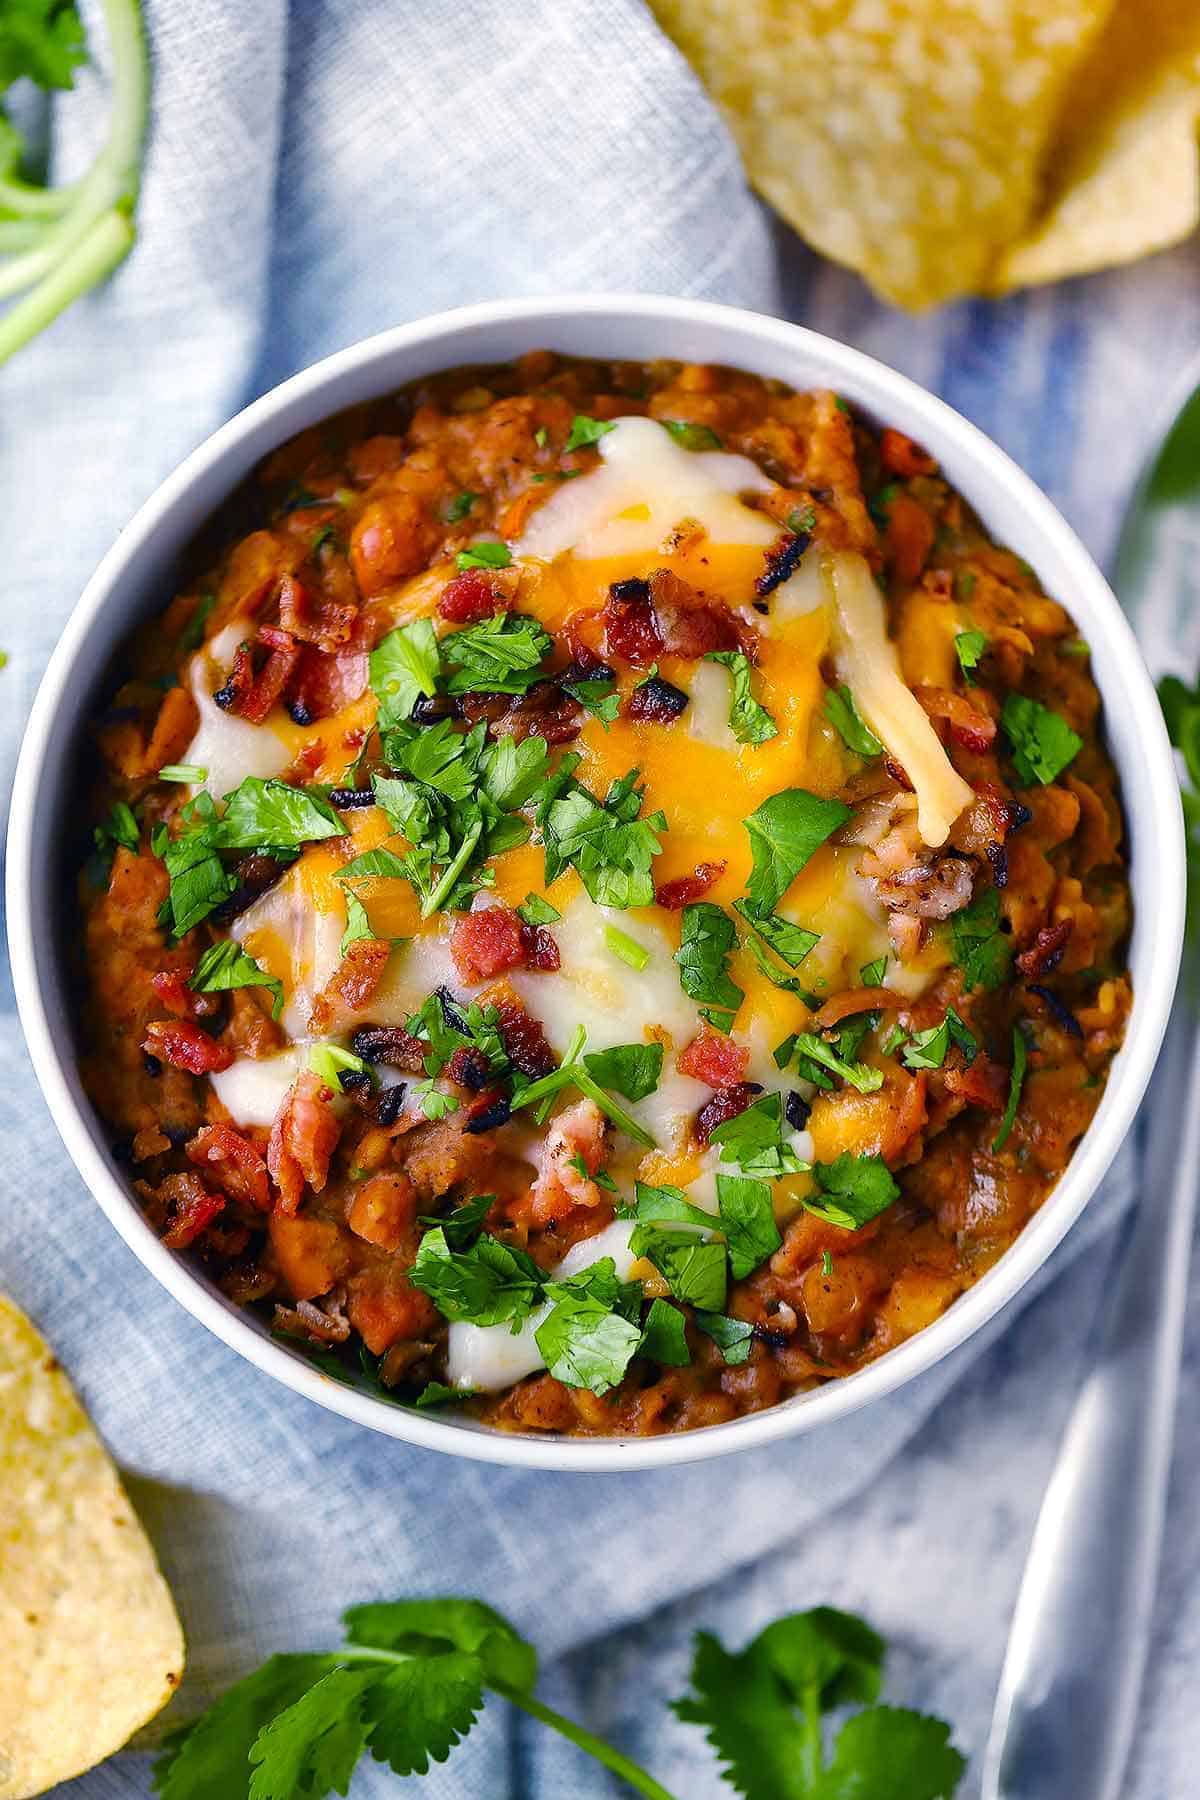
749 722
964 584
460 506
118 829
403 667
331 1062
271 815
462 1226
225 965
664 1336
586 431
192 635
436 1393
487 1283
626 947
851 1190
500 655
970 647
790 942
860 1076
927 1049
844 716
754 1140
694 1271
1016 1082
872 973
486 553
690 436
598 696
536 910
733 1337
631 1069
785 831
747 1222
879 504
707 936
980 948
585 1341
802 521
1042 742
609 846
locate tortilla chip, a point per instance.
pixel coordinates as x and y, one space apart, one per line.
1122 176
92 1644
905 138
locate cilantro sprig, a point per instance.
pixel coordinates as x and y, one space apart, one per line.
749 720
410 1680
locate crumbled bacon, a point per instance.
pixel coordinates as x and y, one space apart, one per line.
173 991
324 684
677 894
303 1140
901 456
524 1040
353 983
186 1046
254 875
1046 951
237 1163
190 1209
631 628
783 559
968 726
315 618
469 1068
725 1104
544 711
238 682
541 951
984 1083
714 1059
392 1046
855 1000
574 1136
267 687
692 625
470 597
656 702
486 943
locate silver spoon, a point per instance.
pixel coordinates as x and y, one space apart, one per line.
1069 1689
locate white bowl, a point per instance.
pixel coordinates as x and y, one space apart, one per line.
135 579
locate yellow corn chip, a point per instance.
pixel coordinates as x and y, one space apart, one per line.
1122 176
903 137
92 1644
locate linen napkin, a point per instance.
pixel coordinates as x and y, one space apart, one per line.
316 173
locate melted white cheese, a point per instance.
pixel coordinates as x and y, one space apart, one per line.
490 1357
227 747
311 941
252 1089
645 486
709 696
866 660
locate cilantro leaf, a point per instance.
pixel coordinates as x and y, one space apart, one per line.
747 1222
419 1711
1016 1082
852 1190
420 1627
1042 741
212 1755
844 716
225 965
970 647
42 41
749 721
118 829
315 1744
872 973
981 949
358 925
754 1141
609 846
511 772
402 668
693 1270
631 1069
331 1062
462 1226
271 815
537 910
585 1343
790 942
664 1336
690 436
585 431
707 936
598 695
860 1076
733 1337
485 554
893 1754
500 655
927 1049
488 1284
784 832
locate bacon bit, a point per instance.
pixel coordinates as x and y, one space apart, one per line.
524 1040
353 983
469 1068
327 623
323 684
969 728
486 943
392 1046
908 1115
173 991
675 895
254 875
897 774
492 1108
186 1046
573 1135
273 677
238 682
901 456
545 712
191 1208
714 1059
238 1163
1059 1011
783 559
470 597
303 1140
856 1000
997 856
726 1104
908 538
656 702
1046 951
148 1142
692 625
985 1083
541 951
631 628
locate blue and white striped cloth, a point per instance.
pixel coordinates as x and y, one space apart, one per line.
316 174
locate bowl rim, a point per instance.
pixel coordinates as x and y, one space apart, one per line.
899 400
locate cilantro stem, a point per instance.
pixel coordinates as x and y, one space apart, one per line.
453 870
812 1748
617 1113
97 253
630 1772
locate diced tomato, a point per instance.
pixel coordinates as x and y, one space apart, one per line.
677 894
714 1059
303 1140
191 1208
470 597
486 943
186 1046
725 1104
238 1164
901 456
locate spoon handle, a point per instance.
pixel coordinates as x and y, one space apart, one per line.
1068 1695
